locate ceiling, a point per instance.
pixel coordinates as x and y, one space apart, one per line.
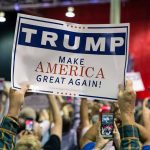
23 4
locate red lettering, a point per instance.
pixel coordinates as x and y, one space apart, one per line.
63 69
73 69
81 73
40 67
86 72
51 69
100 73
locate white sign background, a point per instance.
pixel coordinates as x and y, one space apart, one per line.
136 79
26 59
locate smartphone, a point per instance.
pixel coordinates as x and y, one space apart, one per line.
107 125
29 124
2 84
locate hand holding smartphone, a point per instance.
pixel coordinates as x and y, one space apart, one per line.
107 125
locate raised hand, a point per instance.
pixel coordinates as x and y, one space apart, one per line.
126 101
16 100
146 113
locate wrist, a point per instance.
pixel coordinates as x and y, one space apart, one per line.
13 113
14 110
127 118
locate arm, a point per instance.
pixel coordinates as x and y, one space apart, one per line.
146 114
61 101
100 141
16 100
126 101
9 125
93 135
57 129
43 115
129 132
144 133
116 134
84 113
89 136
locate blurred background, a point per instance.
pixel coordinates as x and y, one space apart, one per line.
135 12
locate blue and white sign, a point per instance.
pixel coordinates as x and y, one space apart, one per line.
69 59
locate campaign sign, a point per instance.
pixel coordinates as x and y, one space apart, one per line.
136 79
69 59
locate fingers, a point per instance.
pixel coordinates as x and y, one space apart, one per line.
84 100
115 127
99 136
129 86
98 129
11 90
24 87
52 96
25 132
145 102
121 88
127 94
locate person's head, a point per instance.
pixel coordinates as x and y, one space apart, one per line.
66 124
3 100
68 110
28 112
28 142
3 96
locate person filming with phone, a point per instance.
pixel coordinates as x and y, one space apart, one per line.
30 137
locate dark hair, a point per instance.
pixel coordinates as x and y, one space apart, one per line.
66 124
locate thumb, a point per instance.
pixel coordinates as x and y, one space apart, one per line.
129 86
24 87
145 102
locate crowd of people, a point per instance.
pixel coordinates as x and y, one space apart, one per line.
73 123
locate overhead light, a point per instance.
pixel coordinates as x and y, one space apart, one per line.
2 17
17 7
70 12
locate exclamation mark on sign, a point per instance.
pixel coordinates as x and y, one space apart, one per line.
99 84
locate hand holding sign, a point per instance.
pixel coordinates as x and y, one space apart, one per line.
126 102
16 100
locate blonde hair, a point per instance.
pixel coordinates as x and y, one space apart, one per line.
28 142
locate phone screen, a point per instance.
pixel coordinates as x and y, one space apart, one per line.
107 125
29 124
